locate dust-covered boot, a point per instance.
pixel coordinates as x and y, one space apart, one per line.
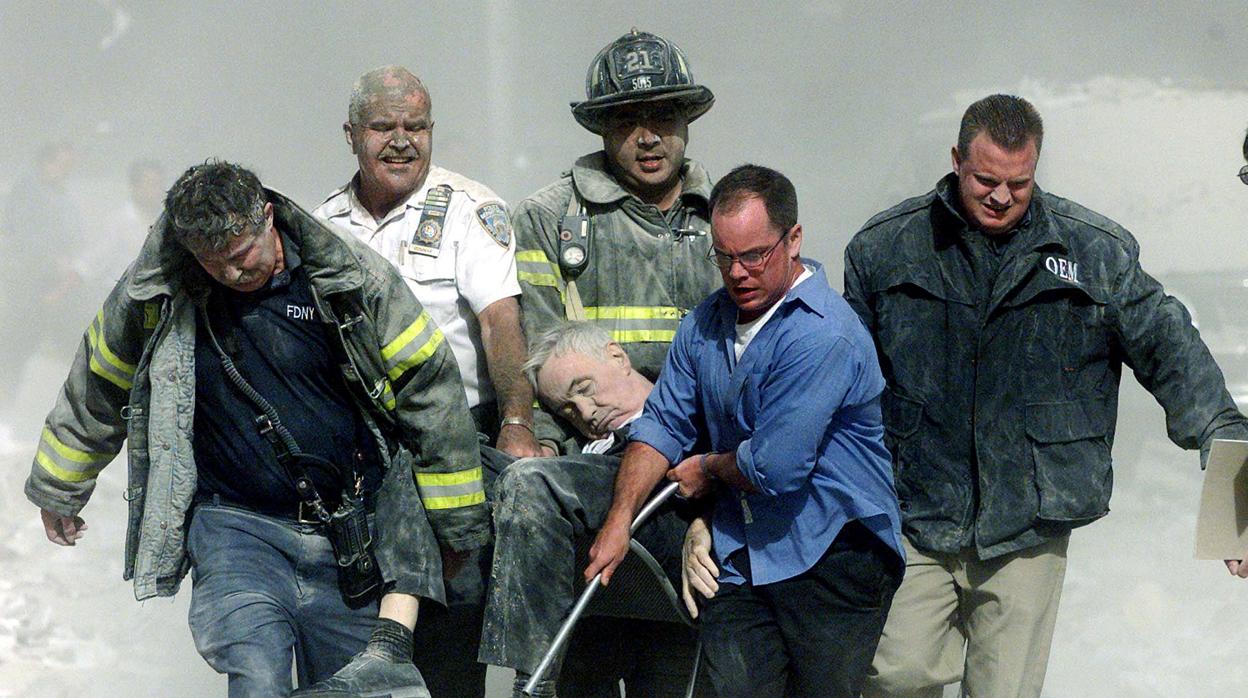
544 688
383 670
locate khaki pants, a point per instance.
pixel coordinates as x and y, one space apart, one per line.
986 623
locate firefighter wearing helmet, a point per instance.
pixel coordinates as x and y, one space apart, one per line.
621 241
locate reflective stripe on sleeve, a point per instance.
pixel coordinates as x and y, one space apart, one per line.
103 362
534 267
635 323
451 490
69 464
412 347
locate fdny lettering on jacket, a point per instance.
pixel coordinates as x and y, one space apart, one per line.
301 312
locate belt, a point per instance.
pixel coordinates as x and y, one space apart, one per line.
298 512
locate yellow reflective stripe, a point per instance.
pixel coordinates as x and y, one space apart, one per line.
632 312
112 369
62 474
400 354
418 358
68 464
451 490
463 500
405 337
387 395
532 256
102 372
109 356
623 336
73 454
538 279
443 479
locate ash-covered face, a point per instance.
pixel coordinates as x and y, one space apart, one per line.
249 260
591 392
392 142
645 144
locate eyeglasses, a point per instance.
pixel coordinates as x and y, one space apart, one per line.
1243 174
752 260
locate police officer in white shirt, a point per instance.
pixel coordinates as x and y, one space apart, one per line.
451 239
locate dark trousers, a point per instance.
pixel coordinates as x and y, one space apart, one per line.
542 507
810 635
651 658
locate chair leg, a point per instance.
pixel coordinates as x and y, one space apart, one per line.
697 667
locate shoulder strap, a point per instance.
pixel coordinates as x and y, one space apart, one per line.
575 236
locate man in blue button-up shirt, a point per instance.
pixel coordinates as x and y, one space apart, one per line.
770 399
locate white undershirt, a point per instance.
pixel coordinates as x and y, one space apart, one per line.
605 443
746 331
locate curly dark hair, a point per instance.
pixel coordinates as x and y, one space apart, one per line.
212 202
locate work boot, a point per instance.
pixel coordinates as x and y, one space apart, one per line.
544 688
383 670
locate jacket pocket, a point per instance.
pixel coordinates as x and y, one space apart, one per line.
902 418
1070 452
424 269
901 415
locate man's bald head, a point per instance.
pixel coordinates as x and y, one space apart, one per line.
386 82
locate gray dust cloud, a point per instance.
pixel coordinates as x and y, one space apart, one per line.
1145 106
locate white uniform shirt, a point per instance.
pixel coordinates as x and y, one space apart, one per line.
474 267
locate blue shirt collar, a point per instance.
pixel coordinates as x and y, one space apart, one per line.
814 293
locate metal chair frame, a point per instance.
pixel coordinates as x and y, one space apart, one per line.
638 573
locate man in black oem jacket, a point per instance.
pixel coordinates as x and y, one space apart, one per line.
1003 316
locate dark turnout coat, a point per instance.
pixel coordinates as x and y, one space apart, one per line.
1001 406
133 379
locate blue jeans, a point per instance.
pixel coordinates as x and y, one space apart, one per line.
264 589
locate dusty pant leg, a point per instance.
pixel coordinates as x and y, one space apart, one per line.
1010 605
329 632
743 644
242 597
542 506
921 648
447 639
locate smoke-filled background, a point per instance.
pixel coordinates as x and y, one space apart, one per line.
1145 106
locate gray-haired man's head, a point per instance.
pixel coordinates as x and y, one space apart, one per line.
584 376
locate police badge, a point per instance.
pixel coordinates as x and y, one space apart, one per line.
494 219
428 237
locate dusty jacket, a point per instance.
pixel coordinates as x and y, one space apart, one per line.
133 379
1000 415
642 277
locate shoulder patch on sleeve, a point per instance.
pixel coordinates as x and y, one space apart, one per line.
493 217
